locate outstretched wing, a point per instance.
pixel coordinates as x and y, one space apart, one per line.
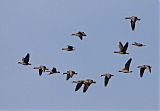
81 37
127 65
125 47
149 68
106 80
40 72
127 17
68 76
78 86
26 59
141 71
120 46
86 87
133 25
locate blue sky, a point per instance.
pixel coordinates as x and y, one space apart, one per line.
43 27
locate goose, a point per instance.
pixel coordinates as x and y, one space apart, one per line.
41 69
87 83
25 60
70 74
122 48
54 70
106 79
126 68
138 44
69 48
133 20
142 69
79 34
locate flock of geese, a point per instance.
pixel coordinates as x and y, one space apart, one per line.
107 76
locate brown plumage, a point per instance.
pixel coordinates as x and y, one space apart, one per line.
41 69
142 69
133 20
122 49
70 74
107 77
69 48
25 60
79 34
86 83
53 71
127 66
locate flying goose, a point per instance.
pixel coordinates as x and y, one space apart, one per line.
106 79
133 20
142 69
41 69
70 74
54 70
79 34
69 48
122 48
138 44
25 60
126 68
86 83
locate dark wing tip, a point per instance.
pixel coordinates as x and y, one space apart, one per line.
132 25
40 72
141 71
68 76
78 86
106 81
127 65
85 88
81 37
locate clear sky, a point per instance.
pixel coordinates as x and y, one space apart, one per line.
43 27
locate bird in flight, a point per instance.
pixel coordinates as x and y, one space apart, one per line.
69 48
122 49
142 69
127 66
53 71
133 20
25 60
107 77
138 44
86 83
70 74
41 69
79 34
